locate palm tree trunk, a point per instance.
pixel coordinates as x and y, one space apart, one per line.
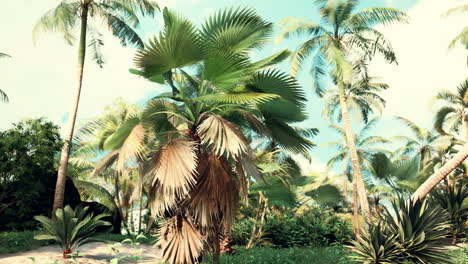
117 199
356 227
257 218
345 181
64 156
443 172
357 170
141 211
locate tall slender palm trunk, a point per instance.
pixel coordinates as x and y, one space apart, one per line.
356 227
357 170
345 181
443 172
64 156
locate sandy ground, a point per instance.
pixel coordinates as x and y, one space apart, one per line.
92 253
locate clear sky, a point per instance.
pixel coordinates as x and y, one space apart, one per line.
40 78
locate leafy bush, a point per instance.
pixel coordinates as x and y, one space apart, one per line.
11 242
287 229
71 228
410 232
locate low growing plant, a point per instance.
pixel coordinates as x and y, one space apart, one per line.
407 232
72 228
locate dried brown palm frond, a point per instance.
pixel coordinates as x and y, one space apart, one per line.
174 167
216 195
132 146
222 136
161 201
181 241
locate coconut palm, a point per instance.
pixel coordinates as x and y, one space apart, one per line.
362 97
3 95
121 18
462 37
366 145
200 124
453 116
441 174
343 34
424 143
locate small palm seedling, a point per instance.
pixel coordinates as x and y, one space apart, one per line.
72 228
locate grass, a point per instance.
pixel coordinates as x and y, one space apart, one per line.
12 242
326 255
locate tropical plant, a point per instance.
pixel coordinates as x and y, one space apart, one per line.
425 188
424 144
462 37
366 146
200 124
452 199
343 34
3 95
121 18
71 228
406 232
453 116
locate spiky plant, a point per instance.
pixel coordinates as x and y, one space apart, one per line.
452 199
71 228
217 94
406 232
120 17
453 116
343 35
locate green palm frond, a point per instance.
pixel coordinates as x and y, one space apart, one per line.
90 191
238 98
178 46
441 119
374 16
236 30
62 19
4 96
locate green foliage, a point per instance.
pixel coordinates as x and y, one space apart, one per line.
11 242
325 255
407 232
71 228
27 173
286 229
453 200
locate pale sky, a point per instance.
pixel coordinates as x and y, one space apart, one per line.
39 79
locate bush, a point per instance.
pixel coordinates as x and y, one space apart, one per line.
287 229
11 242
410 232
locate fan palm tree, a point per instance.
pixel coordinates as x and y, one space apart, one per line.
454 115
121 17
343 34
217 93
3 95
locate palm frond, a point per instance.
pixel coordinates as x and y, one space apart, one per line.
61 19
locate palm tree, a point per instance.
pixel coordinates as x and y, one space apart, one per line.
343 34
121 18
454 114
424 143
366 146
441 174
462 37
201 123
3 95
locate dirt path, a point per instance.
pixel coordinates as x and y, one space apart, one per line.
92 253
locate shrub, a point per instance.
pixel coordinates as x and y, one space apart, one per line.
71 228
410 232
287 229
